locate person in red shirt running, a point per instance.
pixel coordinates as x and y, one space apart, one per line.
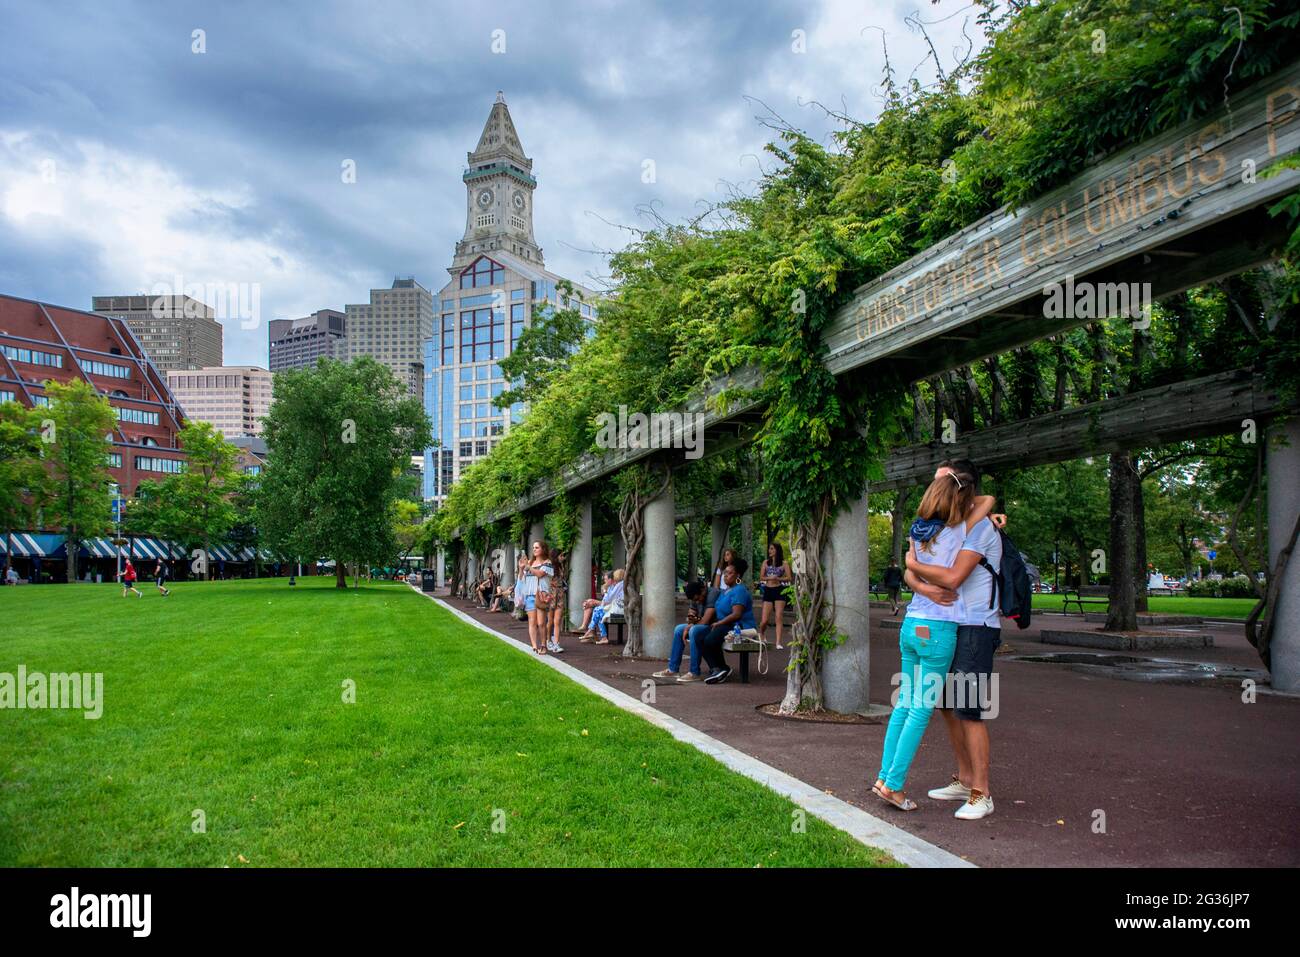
127 575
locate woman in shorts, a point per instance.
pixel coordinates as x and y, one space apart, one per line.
775 577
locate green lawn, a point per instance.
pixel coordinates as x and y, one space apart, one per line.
228 697
1180 605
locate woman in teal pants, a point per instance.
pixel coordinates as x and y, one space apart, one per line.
928 635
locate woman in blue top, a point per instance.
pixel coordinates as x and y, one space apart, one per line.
928 636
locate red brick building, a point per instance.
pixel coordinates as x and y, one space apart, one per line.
39 342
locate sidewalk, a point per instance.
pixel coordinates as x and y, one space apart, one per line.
1187 775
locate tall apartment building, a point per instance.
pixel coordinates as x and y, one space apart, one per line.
41 342
298 343
392 328
498 282
232 398
177 332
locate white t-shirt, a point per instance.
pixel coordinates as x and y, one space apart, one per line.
977 588
943 552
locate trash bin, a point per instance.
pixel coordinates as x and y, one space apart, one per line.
428 580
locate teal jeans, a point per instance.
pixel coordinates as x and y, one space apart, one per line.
924 671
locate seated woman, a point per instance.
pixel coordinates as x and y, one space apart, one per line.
611 604
486 587
591 604
735 606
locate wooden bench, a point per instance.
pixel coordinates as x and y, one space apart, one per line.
744 647
1079 600
621 622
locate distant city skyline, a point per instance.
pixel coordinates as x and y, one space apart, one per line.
212 145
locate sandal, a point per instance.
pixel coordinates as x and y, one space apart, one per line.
906 804
603 641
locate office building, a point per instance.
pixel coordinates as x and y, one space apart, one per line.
177 332
392 328
298 343
233 398
497 280
40 342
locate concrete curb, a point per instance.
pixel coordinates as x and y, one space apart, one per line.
854 821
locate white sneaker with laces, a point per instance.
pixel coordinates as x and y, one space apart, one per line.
978 806
954 791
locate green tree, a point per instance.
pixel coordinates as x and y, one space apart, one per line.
196 506
24 481
339 438
544 350
78 424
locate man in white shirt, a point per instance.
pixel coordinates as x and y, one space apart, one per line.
971 673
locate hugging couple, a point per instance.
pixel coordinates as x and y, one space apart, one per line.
947 640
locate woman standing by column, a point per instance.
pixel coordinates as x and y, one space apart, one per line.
537 596
775 577
559 599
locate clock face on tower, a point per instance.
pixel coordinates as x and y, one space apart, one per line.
485 198
519 201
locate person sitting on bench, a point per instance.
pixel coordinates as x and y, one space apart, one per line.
486 587
699 619
735 604
611 604
591 604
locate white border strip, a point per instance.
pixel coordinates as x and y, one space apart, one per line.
854 821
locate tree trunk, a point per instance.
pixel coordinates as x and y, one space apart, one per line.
1140 576
70 546
692 550
899 524
1122 612
803 687
340 574
1084 558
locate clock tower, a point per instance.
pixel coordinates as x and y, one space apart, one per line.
499 188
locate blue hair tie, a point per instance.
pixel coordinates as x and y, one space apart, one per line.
924 529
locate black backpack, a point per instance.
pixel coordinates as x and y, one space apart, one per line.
1011 583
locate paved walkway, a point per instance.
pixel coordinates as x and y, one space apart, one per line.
1187 775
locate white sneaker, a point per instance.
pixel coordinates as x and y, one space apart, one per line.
956 791
978 806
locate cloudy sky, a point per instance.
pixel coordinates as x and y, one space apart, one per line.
128 160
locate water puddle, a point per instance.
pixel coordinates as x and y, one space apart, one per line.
1134 668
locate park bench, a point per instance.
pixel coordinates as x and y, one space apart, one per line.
621 622
744 647
1073 596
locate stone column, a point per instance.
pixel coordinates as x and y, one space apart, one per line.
718 541
1283 507
508 560
472 567
536 533
442 568
847 667
580 563
659 578
618 556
